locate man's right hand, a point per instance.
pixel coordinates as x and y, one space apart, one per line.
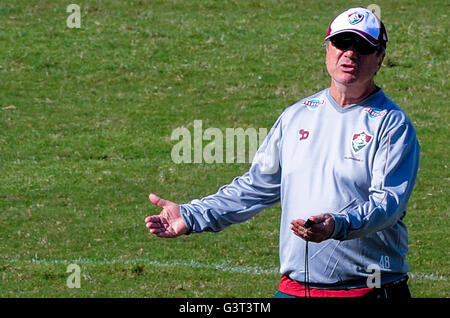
169 223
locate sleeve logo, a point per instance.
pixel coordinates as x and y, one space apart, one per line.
313 104
375 112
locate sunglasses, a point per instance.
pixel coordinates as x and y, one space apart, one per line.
344 42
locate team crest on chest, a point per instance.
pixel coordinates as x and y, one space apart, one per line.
360 141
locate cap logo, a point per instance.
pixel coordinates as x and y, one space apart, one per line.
355 17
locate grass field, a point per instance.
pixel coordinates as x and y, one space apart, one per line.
86 117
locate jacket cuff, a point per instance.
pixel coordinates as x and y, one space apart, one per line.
187 217
341 224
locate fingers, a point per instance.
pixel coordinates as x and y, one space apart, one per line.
158 226
169 223
153 222
152 218
317 233
298 226
299 229
318 218
156 200
155 225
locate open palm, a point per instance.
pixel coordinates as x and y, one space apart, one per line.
169 223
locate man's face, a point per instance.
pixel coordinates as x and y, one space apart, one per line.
348 66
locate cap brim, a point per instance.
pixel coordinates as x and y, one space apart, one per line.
364 35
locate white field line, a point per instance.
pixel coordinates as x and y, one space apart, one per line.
428 276
254 270
192 264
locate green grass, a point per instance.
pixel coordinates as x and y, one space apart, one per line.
86 117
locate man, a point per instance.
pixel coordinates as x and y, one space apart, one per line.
343 163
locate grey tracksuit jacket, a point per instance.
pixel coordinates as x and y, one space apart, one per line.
319 158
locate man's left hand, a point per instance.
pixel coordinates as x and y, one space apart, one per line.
321 230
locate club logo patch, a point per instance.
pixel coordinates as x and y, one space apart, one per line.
313 104
355 17
360 141
375 112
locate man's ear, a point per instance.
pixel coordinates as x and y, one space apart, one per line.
380 62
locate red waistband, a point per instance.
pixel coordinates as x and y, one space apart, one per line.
294 288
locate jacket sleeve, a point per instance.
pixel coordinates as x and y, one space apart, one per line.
245 196
394 174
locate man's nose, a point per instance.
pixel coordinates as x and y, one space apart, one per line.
351 52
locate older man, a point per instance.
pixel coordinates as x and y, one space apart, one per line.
343 163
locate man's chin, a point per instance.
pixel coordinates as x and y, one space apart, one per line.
347 78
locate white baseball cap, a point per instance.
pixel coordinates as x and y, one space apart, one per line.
361 21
